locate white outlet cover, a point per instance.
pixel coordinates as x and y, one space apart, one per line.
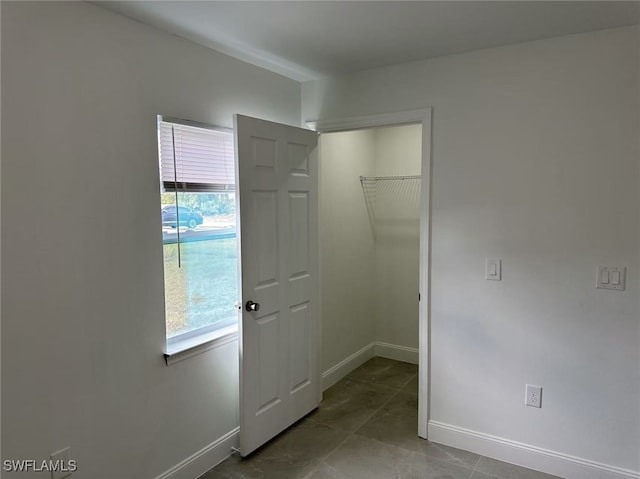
533 396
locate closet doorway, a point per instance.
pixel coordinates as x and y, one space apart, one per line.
374 187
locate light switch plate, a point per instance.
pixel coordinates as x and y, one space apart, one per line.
611 277
493 269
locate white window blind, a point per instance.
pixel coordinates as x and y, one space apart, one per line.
195 159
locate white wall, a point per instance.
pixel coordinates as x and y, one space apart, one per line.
398 152
369 283
83 326
0 242
347 255
535 161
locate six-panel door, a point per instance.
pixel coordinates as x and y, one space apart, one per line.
278 178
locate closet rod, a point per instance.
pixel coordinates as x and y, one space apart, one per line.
405 177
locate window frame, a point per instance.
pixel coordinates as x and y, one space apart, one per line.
189 343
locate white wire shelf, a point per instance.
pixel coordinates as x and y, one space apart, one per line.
384 195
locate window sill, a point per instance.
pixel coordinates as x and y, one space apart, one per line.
187 348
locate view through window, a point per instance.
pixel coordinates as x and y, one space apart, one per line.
198 208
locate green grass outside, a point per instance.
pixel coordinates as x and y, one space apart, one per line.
204 289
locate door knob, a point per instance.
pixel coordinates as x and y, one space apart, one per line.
251 306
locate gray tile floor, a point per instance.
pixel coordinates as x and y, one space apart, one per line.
365 428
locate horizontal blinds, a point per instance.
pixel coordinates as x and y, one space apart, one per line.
204 159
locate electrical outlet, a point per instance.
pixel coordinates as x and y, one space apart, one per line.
61 467
533 396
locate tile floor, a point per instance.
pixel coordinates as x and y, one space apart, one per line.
365 428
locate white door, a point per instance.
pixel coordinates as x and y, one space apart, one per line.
280 331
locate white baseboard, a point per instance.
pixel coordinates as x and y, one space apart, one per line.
399 353
525 455
344 367
377 348
200 462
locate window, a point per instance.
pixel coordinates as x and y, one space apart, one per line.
198 208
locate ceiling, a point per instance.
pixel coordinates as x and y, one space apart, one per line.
305 40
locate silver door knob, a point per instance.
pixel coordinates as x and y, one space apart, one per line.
251 306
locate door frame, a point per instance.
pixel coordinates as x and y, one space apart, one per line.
420 116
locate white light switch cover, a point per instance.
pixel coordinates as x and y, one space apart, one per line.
611 277
493 269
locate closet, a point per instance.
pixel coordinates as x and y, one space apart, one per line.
369 243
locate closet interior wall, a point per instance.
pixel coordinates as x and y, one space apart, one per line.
347 254
369 285
397 243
